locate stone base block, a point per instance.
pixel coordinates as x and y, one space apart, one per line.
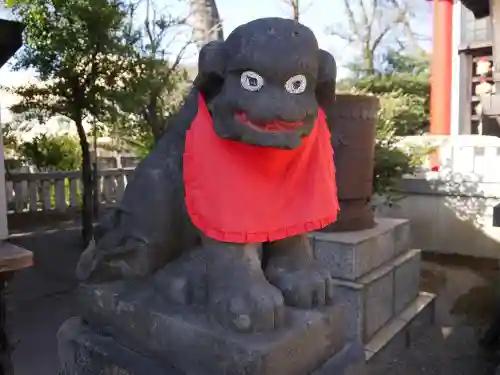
374 299
350 255
406 279
84 352
183 337
350 361
402 331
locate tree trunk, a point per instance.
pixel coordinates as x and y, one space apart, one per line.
296 9
158 128
206 22
369 62
87 194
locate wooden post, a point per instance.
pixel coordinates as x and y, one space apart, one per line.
12 258
441 70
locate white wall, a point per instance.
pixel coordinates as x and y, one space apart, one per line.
473 157
451 211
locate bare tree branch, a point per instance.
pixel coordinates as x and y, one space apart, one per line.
298 7
372 23
351 17
155 84
294 4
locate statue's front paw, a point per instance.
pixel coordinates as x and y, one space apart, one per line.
306 286
183 280
249 306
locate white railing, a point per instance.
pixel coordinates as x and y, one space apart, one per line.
60 191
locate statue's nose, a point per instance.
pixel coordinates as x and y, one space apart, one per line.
275 105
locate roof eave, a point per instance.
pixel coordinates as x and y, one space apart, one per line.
480 8
11 40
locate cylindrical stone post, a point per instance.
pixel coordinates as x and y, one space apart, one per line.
354 117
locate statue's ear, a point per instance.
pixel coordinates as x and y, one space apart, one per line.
211 69
327 77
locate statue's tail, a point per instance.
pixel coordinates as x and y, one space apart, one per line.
90 257
88 262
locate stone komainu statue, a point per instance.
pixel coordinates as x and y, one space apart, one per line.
218 214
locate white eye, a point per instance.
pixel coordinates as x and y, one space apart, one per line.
251 81
296 85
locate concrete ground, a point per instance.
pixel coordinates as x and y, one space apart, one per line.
41 299
466 292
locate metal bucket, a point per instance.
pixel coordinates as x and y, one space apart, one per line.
354 117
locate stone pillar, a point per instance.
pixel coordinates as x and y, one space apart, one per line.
352 121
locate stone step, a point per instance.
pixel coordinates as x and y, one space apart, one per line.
374 299
350 255
349 361
402 330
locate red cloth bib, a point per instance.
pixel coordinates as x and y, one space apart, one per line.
241 193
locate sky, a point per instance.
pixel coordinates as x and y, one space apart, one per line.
319 15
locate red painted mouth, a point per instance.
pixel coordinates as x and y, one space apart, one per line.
270 126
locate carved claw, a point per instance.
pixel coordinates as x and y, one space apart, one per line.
259 308
229 280
184 280
306 288
291 267
240 297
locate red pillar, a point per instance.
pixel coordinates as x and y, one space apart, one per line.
441 69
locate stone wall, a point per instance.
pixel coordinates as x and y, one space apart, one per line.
451 211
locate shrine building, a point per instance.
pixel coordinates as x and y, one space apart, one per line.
462 67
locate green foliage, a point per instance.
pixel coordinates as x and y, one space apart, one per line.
392 162
147 104
52 152
76 48
10 142
67 192
398 63
404 88
156 82
141 145
403 113
11 3
404 83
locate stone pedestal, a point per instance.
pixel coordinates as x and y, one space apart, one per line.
129 329
126 330
377 278
84 352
